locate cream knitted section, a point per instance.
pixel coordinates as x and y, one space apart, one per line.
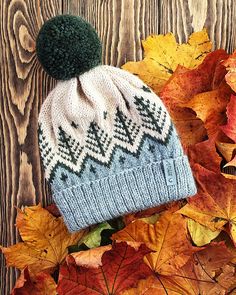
90 115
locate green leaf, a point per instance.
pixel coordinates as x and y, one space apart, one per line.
93 239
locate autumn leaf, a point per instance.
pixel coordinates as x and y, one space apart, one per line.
149 286
40 284
200 234
163 54
167 237
210 107
185 83
205 154
52 208
93 238
230 65
230 128
172 207
183 86
215 204
45 241
121 268
160 285
227 149
206 269
92 257
209 265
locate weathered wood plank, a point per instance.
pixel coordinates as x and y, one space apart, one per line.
121 25
23 85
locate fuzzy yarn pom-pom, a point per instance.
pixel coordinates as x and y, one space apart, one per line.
68 46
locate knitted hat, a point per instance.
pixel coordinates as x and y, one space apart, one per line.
107 142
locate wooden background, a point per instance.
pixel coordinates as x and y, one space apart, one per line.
23 85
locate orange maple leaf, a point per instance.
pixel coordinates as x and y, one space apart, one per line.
208 270
215 204
204 273
230 64
45 241
205 154
167 238
40 284
210 107
184 85
230 128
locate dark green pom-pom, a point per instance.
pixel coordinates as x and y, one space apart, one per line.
68 46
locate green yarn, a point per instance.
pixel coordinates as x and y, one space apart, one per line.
68 46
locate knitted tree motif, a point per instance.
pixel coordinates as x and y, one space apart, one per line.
97 140
68 147
45 149
125 129
151 115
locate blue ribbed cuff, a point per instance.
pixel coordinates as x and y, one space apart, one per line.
132 190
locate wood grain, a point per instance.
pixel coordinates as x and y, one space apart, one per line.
23 85
121 24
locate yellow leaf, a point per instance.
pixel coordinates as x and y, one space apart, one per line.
163 54
201 235
45 240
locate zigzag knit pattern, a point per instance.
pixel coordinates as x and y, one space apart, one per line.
137 115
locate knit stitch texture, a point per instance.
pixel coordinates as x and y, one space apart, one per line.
109 147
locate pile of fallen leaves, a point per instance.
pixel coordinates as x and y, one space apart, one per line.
186 247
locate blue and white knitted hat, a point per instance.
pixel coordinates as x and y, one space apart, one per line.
107 142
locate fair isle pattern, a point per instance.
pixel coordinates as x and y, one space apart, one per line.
78 123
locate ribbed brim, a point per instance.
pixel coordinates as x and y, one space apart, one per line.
132 190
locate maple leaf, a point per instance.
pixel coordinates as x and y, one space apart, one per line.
205 154
45 241
228 149
200 234
163 55
121 268
230 64
167 237
206 269
210 107
230 128
160 285
40 284
215 204
91 257
185 83
183 86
